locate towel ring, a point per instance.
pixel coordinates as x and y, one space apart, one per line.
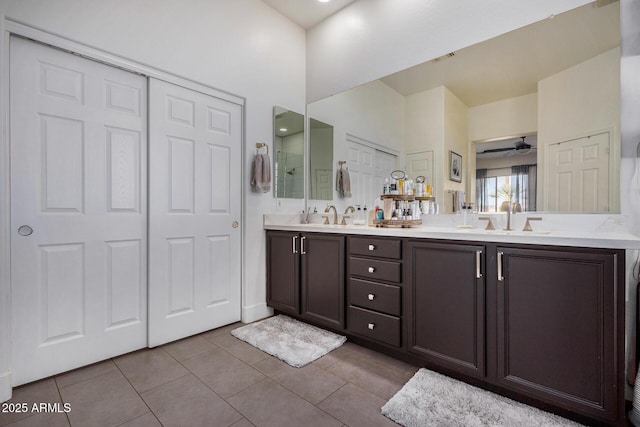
259 145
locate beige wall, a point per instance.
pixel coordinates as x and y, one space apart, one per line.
580 101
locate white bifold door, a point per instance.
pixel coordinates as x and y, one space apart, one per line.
78 211
194 210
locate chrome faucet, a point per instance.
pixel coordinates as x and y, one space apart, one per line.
335 213
527 226
489 223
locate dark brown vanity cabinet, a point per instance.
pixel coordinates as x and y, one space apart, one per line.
305 276
560 330
446 305
375 289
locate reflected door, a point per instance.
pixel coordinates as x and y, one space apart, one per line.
578 172
78 211
194 209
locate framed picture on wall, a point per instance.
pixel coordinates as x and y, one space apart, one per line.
455 167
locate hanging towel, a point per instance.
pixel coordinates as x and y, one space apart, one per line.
343 183
261 174
458 201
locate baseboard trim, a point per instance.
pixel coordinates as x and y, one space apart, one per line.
256 312
5 386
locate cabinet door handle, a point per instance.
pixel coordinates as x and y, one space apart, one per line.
302 239
371 297
371 269
294 245
371 326
372 247
478 258
500 276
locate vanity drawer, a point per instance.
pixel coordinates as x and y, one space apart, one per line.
377 326
375 296
377 247
375 269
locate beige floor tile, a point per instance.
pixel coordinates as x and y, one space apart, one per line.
44 391
187 401
105 400
332 357
310 382
85 373
223 330
240 349
146 420
356 407
188 347
267 403
371 376
43 419
225 374
146 369
242 423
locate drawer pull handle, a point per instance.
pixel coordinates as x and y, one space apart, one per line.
371 297
371 269
372 247
371 326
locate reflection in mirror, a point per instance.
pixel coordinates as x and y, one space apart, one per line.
320 160
288 141
557 80
506 170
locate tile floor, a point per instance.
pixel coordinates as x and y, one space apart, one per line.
214 379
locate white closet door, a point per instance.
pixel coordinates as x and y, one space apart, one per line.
78 211
578 174
361 164
194 205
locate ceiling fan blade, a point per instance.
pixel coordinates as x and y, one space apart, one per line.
496 150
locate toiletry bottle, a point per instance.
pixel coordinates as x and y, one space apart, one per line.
385 187
393 186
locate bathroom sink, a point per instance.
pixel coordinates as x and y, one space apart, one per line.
504 232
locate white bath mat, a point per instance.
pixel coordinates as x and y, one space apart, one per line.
431 399
291 341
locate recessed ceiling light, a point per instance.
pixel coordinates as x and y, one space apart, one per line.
283 129
324 1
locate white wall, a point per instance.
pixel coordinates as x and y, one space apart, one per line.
373 112
370 39
577 102
456 140
509 117
214 42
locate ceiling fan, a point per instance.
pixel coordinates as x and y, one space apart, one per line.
519 147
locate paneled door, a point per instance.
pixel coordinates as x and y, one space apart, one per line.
579 175
78 211
361 164
194 212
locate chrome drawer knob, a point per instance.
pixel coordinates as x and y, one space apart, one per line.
371 297
371 269
372 247
371 325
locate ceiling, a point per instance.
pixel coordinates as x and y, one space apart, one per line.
307 13
511 65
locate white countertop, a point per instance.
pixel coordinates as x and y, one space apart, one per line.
613 239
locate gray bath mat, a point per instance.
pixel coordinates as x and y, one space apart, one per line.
291 341
431 399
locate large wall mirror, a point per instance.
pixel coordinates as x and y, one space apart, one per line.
320 160
536 109
288 165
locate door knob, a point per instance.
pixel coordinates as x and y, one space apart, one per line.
25 230
234 224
